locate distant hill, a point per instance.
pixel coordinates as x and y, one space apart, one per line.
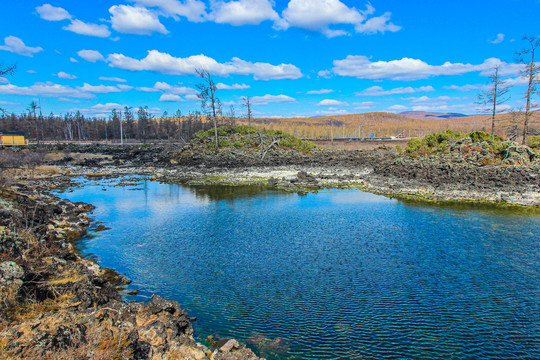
430 115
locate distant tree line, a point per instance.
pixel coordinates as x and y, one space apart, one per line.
127 125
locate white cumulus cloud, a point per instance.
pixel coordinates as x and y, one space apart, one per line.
47 89
108 107
222 86
322 91
15 45
499 39
267 99
243 12
332 102
318 15
414 69
193 10
170 97
135 20
397 108
379 91
167 64
64 75
90 55
377 24
324 15
52 13
115 79
82 28
99 89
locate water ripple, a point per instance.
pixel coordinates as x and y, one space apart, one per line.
335 275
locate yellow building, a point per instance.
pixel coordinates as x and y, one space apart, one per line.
12 138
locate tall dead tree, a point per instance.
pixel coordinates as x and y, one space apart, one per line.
246 102
210 104
32 110
496 95
530 71
9 70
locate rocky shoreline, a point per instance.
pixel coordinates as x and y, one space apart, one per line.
57 304
466 172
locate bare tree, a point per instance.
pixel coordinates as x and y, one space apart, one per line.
7 70
143 122
496 95
246 102
530 71
231 116
32 110
210 104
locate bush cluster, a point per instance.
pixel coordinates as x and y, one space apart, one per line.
438 142
232 136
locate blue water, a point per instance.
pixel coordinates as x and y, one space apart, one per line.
334 275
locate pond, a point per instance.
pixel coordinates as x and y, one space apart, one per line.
341 274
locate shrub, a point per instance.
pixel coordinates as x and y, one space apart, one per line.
479 136
202 135
413 145
244 130
534 141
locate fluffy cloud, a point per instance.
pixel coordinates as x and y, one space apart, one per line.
322 91
47 89
90 55
379 91
167 64
499 39
15 45
52 13
115 79
397 108
221 86
107 107
3 80
135 20
64 75
414 69
331 102
243 12
267 99
170 93
377 24
193 10
170 97
320 15
463 88
100 89
82 28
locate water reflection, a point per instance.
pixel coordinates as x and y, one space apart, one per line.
339 274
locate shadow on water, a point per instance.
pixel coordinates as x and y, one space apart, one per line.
467 205
227 192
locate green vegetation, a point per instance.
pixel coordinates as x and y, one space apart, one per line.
439 142
246 136
534 142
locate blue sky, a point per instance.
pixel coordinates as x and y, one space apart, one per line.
294 58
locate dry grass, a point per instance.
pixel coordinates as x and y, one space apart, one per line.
30 311
388 124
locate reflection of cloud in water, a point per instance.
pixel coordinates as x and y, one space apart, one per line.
159 199
357 196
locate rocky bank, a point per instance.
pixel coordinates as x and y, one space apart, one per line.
465 170
57 304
